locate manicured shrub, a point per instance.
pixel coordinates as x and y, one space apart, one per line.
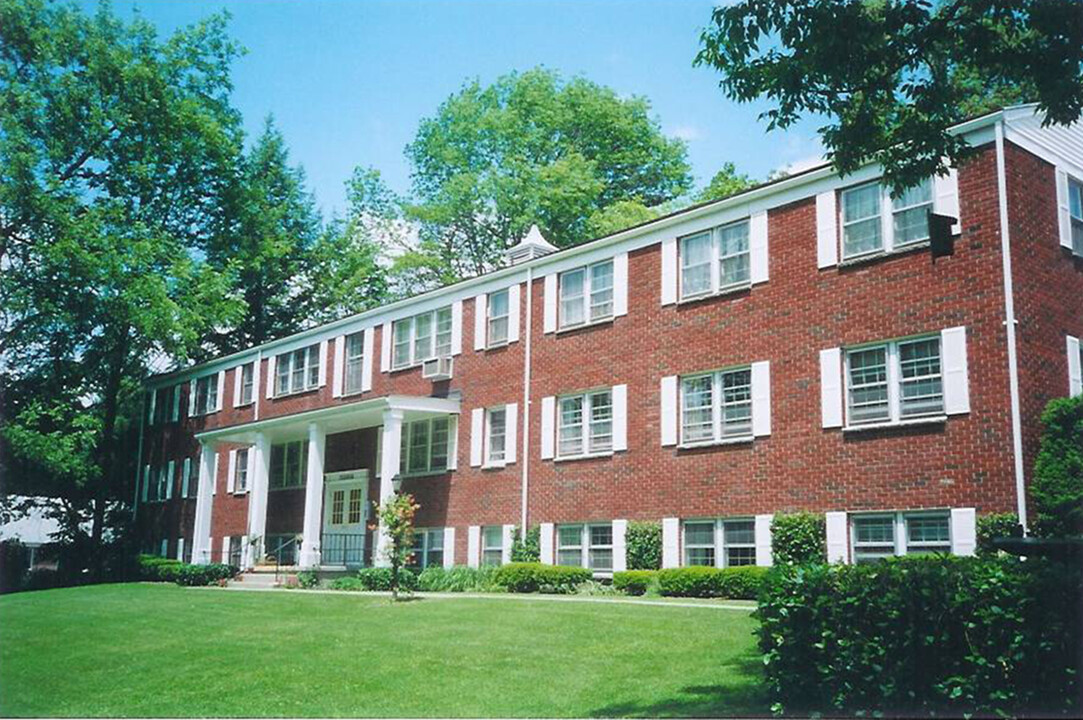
526 549
158 569
379 578
353 584
459 578
535 577
634 582
917 636
798 538
737 583
1057 487
996 525
307 579
741 583
643 542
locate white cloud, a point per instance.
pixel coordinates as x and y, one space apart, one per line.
688 133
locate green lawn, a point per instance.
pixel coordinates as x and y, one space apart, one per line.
161 650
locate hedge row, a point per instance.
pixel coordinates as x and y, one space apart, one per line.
459 578
159 569
937 635
736 583
535 577
376 578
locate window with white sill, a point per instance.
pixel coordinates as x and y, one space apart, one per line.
1075 215
878 535
716 406
894 381
428 549
492 545
240 469
588 546
247 383
425 446
715 260
354 361
289 464
496 429
585 424
720 543
586 295
499 309
421 337
298 371
206 394
873 221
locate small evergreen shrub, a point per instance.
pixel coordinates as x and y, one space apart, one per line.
158 569
634 582
527 549
643 543
535 577
996 525
741 583
307 579
1057 487
379 579
798 538
459 578
352 584
736 583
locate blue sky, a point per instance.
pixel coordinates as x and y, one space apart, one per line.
348 81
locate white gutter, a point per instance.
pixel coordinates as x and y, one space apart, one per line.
1009 324
525 415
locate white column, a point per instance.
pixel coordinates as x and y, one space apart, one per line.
201 534
390 447
257 500
310 543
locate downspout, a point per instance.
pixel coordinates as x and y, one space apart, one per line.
1010 323
526 396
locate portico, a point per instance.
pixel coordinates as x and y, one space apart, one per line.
347 489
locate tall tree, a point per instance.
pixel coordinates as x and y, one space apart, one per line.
892 76
115 147
531 148
727 181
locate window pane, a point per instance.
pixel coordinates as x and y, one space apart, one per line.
570 535
601 421
874 530
601 291
911 216
928 529
297 376
493 536
570 557
737 403
861 220
696 264
497 429
733 254
419 446
601 559
601 535
1075 212
498 304
283 372
355 350
921 391
443 332
441 428
739 532
313 359
403 328
423 337
337 505
572 302
868 385
737 556
571 426
699 533
498 317
697 421
699 556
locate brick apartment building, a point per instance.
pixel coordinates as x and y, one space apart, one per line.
789 348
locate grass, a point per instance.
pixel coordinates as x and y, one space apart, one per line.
160 650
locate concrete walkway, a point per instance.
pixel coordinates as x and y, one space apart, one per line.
527 597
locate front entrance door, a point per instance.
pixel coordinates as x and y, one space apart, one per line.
345 514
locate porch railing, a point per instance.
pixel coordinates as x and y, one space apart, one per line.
342 549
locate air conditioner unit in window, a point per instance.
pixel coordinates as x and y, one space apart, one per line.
437 369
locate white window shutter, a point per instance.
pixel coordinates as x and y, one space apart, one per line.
250 467
550 299
244 551
191 398
763 540
511 419
946 198
321 368
146 482
757 247
481 316
831 387
620 284
255 381
237 373
545 541
473 546
366 361
231 471
180 548
953 359
548 426
170 476
827 236
671 542
668 410
513 313
271 376
1064 218
175 415
164 552
338 367
225 550
620 417
964 531
186 476
453 447
221 390
477 435
457 327
1075 371
620 552
385 344
669 271
449 547
506 541
837 544
761 398
214 475
151 405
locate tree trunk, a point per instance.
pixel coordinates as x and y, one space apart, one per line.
110 408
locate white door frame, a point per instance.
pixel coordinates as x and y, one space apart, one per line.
344 482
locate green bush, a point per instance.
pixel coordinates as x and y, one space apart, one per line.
741 583
307 579
643 542
918 636
527 549
459 578
535 577
1057 487
379 578
798 538
159 569
996 525
347 583
634 582
736 583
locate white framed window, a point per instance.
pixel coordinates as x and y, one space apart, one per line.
161 492
589 546
206 400
354 356
289 464
248 387
297 371
716 406
421 338
499 311
428 549
586 295
240 469
193 478
585 424
873 221
425 446
715 260
894 381
875 536
720 543
492 545
1075 214
496 433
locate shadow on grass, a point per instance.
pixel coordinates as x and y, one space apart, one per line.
742 694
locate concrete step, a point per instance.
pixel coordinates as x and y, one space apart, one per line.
258 579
